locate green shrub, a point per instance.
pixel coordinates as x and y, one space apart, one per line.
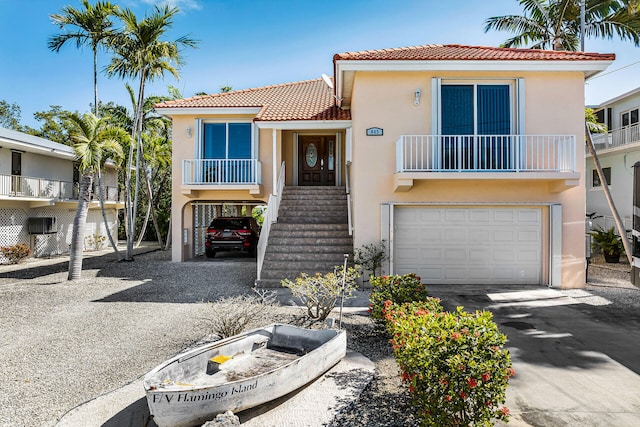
453 363
96 241
370 257
320 292
397 289
15 253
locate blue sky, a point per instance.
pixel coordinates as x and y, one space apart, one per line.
253 43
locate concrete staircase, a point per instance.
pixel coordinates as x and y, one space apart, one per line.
311 235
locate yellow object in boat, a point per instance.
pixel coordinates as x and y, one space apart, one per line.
220 359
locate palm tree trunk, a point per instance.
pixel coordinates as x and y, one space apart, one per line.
143 229
104 215
151 205
168 243
79 224
607 194
138 138
95 78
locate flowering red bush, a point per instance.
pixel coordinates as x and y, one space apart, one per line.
397 289
453 363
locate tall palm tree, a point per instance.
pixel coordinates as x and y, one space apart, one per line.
555 24
140 52
95 141
93 28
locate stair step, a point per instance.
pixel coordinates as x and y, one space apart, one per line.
279 226
313 220
315 212
320 241
308 233
304 257
282 273
309 249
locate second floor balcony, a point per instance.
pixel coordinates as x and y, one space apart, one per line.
26 187
221 174
616 138
494 157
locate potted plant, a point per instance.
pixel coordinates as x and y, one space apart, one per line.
608 242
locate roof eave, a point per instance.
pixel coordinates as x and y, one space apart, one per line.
196 111
344 69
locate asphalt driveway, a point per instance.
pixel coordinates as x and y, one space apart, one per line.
576 353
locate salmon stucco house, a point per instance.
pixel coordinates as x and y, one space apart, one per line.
466 160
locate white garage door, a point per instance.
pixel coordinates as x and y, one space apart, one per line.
469 245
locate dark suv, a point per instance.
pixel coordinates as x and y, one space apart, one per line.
232 234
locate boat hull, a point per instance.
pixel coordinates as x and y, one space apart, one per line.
185 405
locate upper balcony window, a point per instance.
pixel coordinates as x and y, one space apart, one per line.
225 154
226 141
629 118
470 110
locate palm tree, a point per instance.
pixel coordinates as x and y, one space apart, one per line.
95 141
94 28
555 24
140 52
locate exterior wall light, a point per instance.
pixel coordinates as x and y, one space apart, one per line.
189 132
416 96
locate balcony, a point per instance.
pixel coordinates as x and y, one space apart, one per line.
490 157
617 138
39 188
221 174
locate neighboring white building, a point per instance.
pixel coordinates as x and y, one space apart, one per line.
39 196
618 150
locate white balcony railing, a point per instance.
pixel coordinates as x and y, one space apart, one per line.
220 172
41 188
616 137
26 186
486 153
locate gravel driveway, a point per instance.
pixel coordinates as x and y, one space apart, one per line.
63 343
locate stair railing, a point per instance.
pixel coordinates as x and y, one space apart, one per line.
348 190
272 217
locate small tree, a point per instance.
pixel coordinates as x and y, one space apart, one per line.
319 292
371 256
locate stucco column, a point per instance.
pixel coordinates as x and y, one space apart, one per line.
274 138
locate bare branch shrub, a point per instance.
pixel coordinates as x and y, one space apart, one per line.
233 315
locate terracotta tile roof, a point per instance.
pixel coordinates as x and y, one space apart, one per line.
456 52
306 100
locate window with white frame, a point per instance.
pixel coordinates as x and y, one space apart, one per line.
629 118
226 141
595 178
227 151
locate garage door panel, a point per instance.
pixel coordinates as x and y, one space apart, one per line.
469 245
455 215
480 216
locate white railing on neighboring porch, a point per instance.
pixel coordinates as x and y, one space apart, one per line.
486 153
26 186
271 217
220 171
616 137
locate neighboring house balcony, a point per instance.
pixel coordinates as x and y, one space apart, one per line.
550 158
221 174
617 138
25 187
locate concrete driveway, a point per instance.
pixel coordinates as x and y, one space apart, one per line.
576 353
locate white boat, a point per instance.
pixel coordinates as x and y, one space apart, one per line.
239 372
